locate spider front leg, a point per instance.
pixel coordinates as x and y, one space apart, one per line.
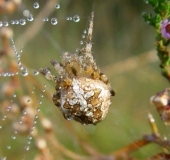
47 73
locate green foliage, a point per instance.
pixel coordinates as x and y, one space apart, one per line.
162 13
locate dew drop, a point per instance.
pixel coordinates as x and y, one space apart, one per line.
83 36
43 90
29 137
1 24
21 67
36 72
76 18
69 118
0 127
84 31
12 22
8 147
27 148
81 42
24 112
67 18
35 122
14 95
13 137
29 142
39 102
3 158
54 21
70 18
45 19
36 5
30 18
41 95
45 86
6 24
77 49
38 109
24 73
16 22
22 22
36 116
57 6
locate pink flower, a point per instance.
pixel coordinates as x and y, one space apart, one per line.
165 29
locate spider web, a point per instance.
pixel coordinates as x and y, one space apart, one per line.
122 50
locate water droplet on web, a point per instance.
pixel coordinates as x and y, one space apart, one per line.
54 21
29 137
43 90
3 158
6 24
36 5
36 72
81 42
76 18
83 36
8 109
8 147
21 67
57 6
84 31
0 127
22 22
45 86
30 18
39 102
1 24
45 19
14 95
4 117
13 137
77 49
16 22
24 112
12 22
36 116
24 73
41 95
70 18
27 148
38 109
29 142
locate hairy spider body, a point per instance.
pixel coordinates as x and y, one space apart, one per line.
83 93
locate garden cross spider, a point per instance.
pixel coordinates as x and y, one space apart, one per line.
83 93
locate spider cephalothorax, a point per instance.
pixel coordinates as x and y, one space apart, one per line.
82 91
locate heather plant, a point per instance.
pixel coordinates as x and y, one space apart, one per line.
98 49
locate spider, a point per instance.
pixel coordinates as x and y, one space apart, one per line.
83 93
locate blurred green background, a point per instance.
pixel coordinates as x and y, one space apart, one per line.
123 46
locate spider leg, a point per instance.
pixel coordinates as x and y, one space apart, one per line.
47 73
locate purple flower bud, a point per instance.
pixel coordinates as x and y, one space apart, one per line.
165 29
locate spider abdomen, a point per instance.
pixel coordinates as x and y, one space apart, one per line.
86 100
